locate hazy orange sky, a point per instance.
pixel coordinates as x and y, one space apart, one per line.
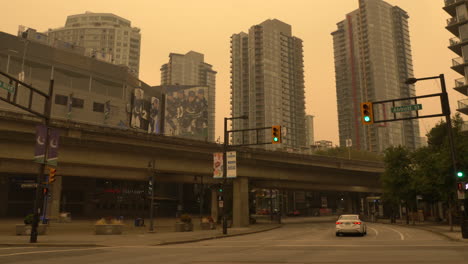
206 26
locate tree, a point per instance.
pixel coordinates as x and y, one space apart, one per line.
396 180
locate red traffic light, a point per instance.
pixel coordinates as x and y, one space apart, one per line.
461 186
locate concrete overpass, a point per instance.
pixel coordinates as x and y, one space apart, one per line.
94 151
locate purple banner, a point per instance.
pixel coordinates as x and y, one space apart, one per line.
52 154
39 150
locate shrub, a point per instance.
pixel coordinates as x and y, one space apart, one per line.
28 220
185 218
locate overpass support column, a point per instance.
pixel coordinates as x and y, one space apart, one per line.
4 186
240 193
53 205
349 203
214 205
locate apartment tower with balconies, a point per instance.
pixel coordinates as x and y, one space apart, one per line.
457 24
267 85
372 53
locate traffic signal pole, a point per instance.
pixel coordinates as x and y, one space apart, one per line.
226 138
40 174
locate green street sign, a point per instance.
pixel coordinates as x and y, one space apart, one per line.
406 108
10 88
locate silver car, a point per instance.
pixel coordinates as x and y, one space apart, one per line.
350 224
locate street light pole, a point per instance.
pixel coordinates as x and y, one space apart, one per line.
151 167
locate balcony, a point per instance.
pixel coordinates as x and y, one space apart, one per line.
456 45
454 22
461 86
464 127
458 64
463 106
451 6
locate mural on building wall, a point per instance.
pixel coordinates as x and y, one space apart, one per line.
154 118
145 112
186 112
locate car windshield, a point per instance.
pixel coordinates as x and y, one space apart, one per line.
349 217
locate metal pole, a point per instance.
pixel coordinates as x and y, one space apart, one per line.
202 195
151 227
36 209
223 215
446 110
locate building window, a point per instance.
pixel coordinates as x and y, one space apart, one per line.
61 99
77 102
98 107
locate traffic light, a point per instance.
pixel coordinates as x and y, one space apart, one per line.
275 134
220 188
367 113
460 186
52 172
460 174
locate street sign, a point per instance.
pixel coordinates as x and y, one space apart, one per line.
231 164
461 195
28 185
406 108
221 203
8 87
349 142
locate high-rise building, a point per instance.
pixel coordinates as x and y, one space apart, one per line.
458 26
372 62
310 130
191 69
102 33
267 84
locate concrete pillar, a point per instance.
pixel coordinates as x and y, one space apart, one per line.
349 203
53 205
4 186
240 210
214 205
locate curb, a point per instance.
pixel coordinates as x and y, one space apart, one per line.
48 245
430 230
215 237
158 244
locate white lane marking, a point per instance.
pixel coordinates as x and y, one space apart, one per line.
54 251
402 237
375 230
6 248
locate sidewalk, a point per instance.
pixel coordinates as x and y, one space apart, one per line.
441 229
80 233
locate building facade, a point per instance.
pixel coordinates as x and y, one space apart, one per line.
102 34
267 85
310 130
86 90
458 26
191 69
372 53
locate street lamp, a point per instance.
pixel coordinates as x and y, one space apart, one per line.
446 111
225 146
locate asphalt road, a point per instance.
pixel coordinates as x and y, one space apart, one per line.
293 243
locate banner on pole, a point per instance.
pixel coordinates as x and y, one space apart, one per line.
52 153
218 165
39 150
